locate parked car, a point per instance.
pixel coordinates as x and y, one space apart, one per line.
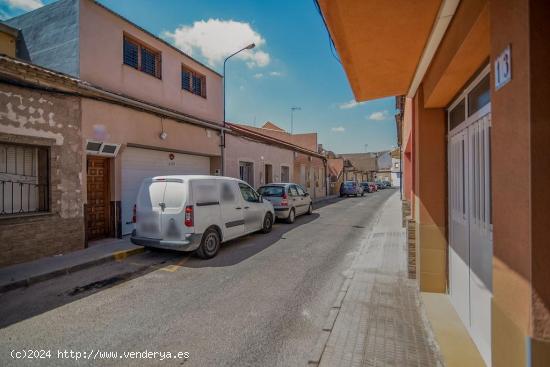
387 184
289 200
348 188
366 186
373 187
197 213
380 185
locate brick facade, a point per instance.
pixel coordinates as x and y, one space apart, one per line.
41 118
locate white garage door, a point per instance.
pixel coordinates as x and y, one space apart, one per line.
138 163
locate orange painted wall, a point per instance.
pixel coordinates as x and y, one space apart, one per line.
430 190
407 149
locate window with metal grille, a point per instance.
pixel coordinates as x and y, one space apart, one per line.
193 82
141 57
130 53
24 181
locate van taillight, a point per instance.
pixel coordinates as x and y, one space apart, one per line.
134 214
189 215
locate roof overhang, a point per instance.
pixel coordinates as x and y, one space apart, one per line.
386 46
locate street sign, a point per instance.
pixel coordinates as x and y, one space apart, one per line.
503 68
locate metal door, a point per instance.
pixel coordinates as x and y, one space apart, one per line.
470 232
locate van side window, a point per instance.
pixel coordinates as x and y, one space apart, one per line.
248 193
301 191
228 195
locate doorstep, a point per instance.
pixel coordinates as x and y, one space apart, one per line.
455 345
25 274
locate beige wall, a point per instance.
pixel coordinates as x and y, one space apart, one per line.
117 124
101 40
315 167
241 149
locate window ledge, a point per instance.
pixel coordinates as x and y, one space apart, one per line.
142 72
194 94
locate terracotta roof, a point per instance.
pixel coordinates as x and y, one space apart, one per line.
361 161
335 166
271 126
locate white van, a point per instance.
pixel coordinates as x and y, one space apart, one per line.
197 213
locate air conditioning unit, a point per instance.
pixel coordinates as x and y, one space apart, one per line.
100 148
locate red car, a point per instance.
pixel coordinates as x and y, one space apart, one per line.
373 187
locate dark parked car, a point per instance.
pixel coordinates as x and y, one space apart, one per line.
367 187
348 188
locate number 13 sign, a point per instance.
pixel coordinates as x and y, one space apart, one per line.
503 68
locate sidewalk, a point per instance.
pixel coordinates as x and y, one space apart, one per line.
377 319
21 275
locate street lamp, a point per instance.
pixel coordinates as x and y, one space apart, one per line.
249 47
292 109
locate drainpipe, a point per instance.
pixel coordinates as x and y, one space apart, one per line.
326 177
400 174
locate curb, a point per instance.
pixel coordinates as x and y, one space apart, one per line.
317 352
33 279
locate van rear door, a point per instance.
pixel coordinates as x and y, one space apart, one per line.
149 208
173 213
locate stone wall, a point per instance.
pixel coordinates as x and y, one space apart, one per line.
50 120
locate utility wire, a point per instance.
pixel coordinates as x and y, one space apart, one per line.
330 41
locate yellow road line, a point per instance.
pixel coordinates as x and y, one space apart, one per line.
177 266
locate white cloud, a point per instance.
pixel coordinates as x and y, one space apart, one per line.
379 116
351 104
339 129
258 75
216 39
25 4
275 73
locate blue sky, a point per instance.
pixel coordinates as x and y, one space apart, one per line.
292 64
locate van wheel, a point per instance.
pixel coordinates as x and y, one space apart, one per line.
268 223
210 244
291 216
310 209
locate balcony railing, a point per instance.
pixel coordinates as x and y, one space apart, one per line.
23 197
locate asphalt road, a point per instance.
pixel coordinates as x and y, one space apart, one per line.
261 302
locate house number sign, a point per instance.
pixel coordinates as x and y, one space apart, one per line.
503 68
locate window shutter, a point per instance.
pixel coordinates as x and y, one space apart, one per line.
148 62
186 80
130 53
197 85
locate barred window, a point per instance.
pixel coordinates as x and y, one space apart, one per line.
24 182
193 82
141 57
130 53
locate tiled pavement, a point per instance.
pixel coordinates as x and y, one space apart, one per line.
379 322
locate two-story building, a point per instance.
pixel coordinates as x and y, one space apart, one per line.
474 74
163 115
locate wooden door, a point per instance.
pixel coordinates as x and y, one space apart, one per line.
98 197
